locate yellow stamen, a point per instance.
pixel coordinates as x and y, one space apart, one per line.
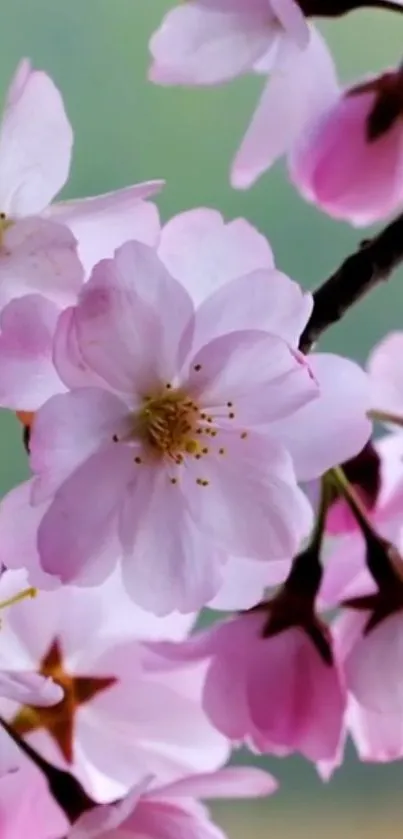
22 595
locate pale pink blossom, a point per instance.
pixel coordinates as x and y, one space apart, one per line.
172 811
349 161
222 481
26 807
205 42
276 693
119 717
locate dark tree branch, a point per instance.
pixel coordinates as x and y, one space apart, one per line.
372 264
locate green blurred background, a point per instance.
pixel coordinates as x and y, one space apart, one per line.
128 130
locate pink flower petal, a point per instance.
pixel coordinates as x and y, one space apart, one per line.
168 563
230 782
264 299
378 737
77 535
252 505
35 144
258 374
206 43
296 700
105 222
245 580
374 667
333 427
27 373
70 428
119 315
293 20
386 373
39 256
331 163
29 688
296 93
19 522
204 253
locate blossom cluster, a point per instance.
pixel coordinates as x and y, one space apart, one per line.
186 453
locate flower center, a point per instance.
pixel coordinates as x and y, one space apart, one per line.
168 424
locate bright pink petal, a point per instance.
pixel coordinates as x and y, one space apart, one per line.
333 427
35 145
70 428
296 700
336 167
39 256
27 373
206 43
264 299
168 562
76 538
295 94
257 374
119 315
204 253
251 504
105 222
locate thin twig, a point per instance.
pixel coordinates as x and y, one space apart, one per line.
372 264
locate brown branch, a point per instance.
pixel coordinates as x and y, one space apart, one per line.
373 263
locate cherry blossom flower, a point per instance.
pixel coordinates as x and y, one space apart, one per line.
192 443
119 718
279 693
206 42
173 810
349 162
